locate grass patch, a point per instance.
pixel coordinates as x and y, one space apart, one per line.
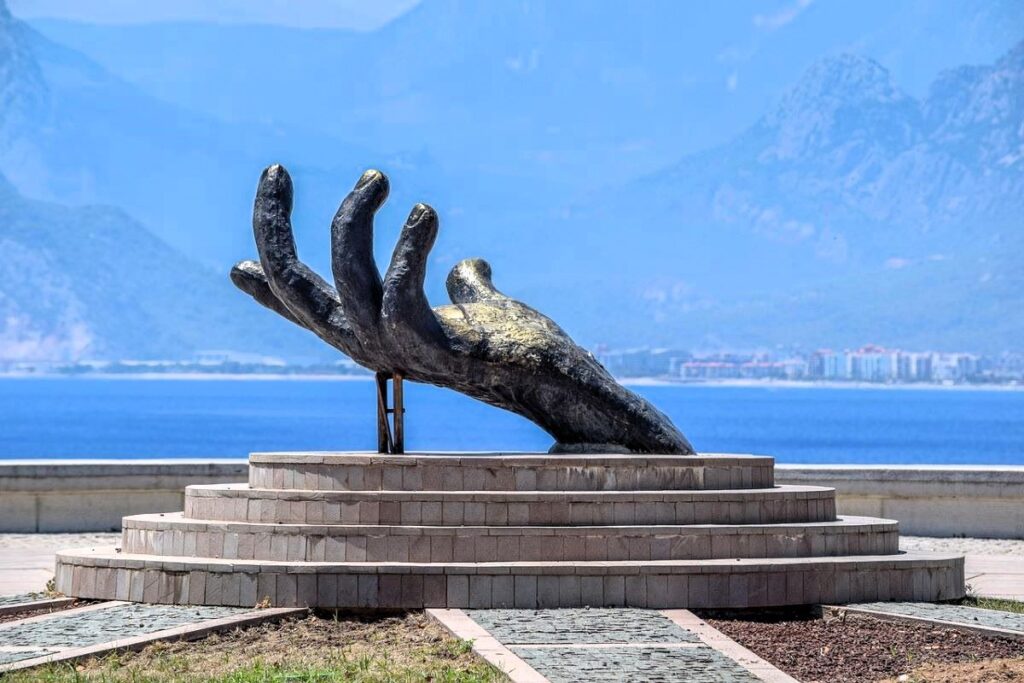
1000 604
966 672
312 649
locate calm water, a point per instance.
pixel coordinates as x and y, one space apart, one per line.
127 418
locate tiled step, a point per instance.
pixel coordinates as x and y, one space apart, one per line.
170 534
781 504
507 472
349 530
735 583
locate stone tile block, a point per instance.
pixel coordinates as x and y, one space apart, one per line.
434 591
368 591
390 591
502 592
614 591
457 591
480 591
636 591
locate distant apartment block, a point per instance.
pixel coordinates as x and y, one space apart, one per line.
870 363
643 362
877 364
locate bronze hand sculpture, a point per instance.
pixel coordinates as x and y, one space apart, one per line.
485 345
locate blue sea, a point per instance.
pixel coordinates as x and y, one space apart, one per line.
217 418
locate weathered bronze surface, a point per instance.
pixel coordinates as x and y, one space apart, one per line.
485 345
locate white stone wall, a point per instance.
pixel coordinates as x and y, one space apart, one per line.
74 496
938 500
93 495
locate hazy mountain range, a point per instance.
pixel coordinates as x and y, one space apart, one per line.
91 282
848 210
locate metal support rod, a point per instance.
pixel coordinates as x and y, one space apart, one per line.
398 413
384 444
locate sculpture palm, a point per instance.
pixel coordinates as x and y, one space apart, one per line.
485 344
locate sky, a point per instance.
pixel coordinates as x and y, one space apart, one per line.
594 128
349 14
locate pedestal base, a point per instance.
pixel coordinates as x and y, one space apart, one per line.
350 530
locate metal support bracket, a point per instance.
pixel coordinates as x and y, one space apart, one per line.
390 440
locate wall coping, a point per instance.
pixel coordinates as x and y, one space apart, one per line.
940 474
26 467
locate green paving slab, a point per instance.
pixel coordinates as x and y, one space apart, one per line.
11 657
959 614
649 663
74 629
11 600
606 645
550 626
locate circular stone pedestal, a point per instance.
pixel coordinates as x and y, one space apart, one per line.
353 530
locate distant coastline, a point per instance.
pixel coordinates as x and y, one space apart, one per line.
627 381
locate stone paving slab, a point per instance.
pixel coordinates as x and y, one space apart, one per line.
570 645
954 614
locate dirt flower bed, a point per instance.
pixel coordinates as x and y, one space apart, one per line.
852 647
407 647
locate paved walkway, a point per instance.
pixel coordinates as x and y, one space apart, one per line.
623 644
994 567
26 560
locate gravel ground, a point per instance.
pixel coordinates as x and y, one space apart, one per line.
967 546
856 648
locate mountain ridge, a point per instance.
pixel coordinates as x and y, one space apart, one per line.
90 282
849 199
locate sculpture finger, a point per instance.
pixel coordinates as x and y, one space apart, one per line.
312 301
407 315
356 277
470 282
248 276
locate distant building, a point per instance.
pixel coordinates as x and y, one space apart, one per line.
219 357
873 364
715 369
827 364
643 362
870 363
